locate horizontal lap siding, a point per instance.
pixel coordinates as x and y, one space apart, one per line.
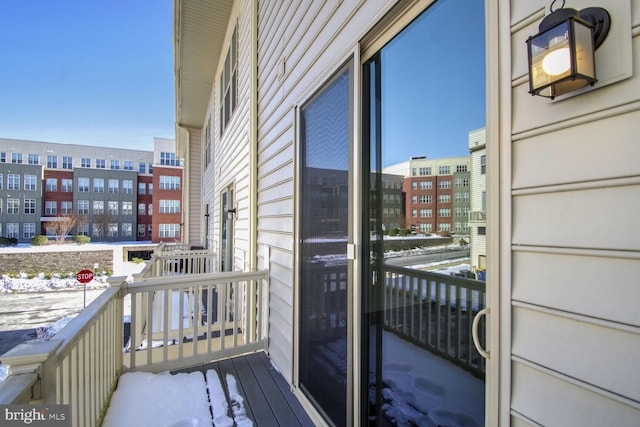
300 45
574 287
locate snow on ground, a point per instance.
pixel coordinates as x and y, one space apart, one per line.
180 400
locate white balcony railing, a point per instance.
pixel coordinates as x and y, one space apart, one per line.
478 216
174 323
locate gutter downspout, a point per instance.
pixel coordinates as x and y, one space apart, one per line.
253 142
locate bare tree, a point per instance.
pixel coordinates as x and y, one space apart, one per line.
62 226
101 224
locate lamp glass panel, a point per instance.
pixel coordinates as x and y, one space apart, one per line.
585 59
550 55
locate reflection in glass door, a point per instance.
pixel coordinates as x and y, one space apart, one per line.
424 110
324 282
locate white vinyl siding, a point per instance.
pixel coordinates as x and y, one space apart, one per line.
575 323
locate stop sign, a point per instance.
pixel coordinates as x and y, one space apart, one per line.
84 276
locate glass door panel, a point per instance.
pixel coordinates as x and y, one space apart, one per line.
324 231
423 135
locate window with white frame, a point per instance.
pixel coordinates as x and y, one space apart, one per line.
127 186
67 185
141 230
206 150
127 208
229 83
13 206
33 159
101 164
425 171
83 184
50 207
30 182
150 188
114 186
113 207
169 206
444 184
1 181
426 228
461 168
414 185
28 230
425 198
67 162
113 229
16 158
83 207
85 162
169 182
444 226
51 184
483 164
114 164
29 206
142 167
98 207
66 207
13 181
150 209
52 162
168 159
142 208
444 212
128 165
444 198
444 170
83 229
13 230
142 188
169 230
98 185
426 185
126 229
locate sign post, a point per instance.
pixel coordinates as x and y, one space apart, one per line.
84 277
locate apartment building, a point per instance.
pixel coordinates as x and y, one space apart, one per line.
109 190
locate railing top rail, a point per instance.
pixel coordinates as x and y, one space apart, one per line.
173 254
441 278
188 280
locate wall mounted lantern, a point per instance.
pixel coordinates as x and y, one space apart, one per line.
562 54
231 213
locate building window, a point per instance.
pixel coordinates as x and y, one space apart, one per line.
85 162
127 229
142 188
113 207
83 229
127 208
28 230
13 181
483 164
51 207
444 184
113 229
169 206
425 198
1 181
29 206
414 213
83 207
97 230
206 151
29 182
141 230
52 162
414 185
229 83
16 158
425 228
444 198
168 159
142 208
169 230
33 159
149 229
67 162
444 170
13 230
444 226
150 209
101 164
66 208
444 212
461 168
482 231
150 189
465 196
426 185
83 185
115 164
98 207
169 182
67 185
114 186
98 185
150 168
128 165
127 186
142 168
51 184
425 171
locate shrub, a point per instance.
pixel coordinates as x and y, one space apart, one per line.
393 232
404 232
137 260
82 239
39 240
8 241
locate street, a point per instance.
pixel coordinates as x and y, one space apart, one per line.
404 261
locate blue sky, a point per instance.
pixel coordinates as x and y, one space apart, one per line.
434 83
91 72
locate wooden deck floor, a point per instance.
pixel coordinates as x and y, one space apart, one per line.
267 397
